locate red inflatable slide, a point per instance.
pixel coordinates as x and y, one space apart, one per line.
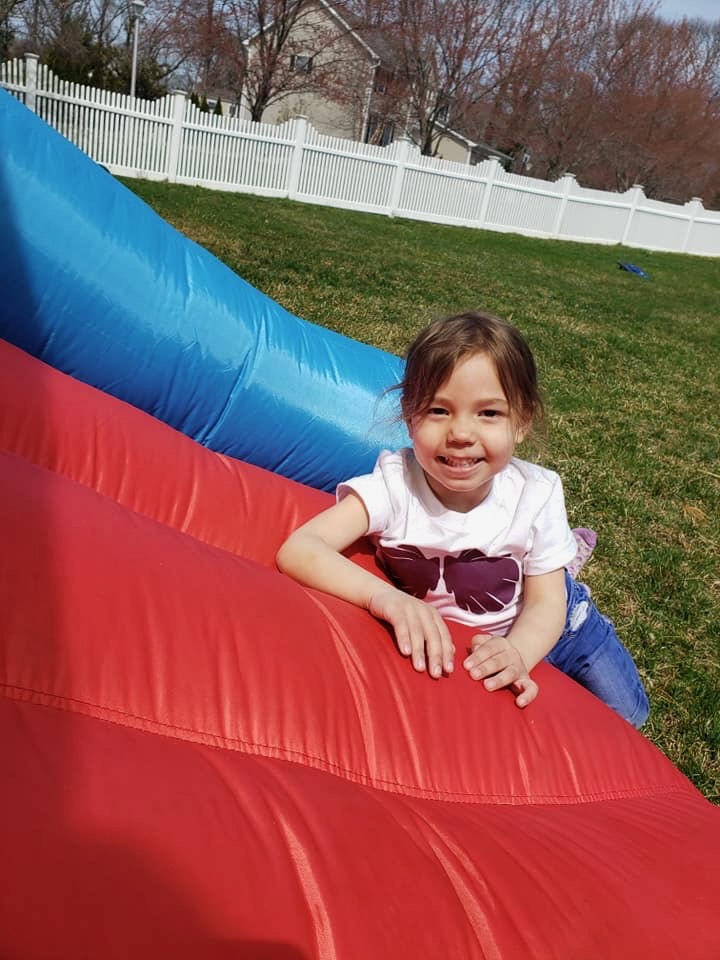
204 760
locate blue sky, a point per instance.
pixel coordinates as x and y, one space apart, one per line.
674 9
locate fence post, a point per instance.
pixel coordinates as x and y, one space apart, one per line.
638 197
567 180
178 116
695 208
492 173
300 130
402 156
31 72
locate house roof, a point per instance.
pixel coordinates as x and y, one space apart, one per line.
368 38
454 134
372 38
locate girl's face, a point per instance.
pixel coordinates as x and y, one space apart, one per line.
467 435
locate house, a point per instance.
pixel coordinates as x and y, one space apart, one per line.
354 68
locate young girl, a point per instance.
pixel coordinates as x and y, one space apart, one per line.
468 532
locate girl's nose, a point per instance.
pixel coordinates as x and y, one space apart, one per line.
460 432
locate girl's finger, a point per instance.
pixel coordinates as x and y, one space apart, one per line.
448 654
502 679
527 690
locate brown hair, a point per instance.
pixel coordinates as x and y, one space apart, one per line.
433 355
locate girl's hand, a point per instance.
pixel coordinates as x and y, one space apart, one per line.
496 661
419 630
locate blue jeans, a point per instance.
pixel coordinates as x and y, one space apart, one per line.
590 652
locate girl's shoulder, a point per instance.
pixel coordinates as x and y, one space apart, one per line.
397 464
385 492
524 473
394 465
394 470
405 482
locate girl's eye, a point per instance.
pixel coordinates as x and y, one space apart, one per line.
437 411
490 414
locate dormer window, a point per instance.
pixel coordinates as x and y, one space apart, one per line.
301 63
382 80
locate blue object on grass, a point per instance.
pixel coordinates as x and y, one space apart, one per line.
631 268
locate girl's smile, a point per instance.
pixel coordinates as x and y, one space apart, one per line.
458 463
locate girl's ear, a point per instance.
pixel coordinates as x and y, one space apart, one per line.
522 430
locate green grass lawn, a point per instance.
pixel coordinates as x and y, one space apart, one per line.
631 376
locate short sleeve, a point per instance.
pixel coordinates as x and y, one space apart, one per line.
552 542
373 490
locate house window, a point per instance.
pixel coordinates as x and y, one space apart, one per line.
442 110
379 131
301 63
382 80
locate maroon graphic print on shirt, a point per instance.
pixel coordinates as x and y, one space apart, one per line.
479 583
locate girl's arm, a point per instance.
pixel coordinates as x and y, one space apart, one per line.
507 661
313 556
542 618
313 553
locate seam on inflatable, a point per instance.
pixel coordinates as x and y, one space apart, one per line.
250 748
65 474
62 471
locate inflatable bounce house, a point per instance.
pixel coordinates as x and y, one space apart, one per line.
201 758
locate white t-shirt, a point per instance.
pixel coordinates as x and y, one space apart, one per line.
470 566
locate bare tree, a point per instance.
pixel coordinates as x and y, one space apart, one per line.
553 89
446 57
661 123
10 13
196 40
281 48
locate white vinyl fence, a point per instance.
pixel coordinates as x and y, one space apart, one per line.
170 139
